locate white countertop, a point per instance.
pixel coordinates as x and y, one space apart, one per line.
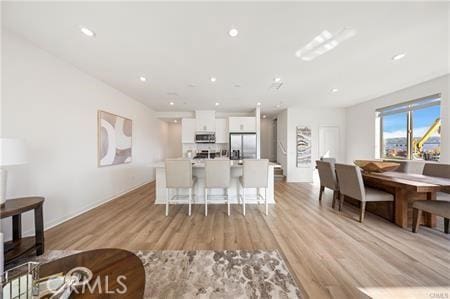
199 163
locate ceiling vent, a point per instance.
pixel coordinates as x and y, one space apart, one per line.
275 86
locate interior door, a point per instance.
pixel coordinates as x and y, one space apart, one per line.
329 142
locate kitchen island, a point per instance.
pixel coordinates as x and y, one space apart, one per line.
214 195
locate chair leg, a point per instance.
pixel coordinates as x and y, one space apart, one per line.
322 188
417 214
446 222
190 201
167 201
335 195
228 201
363 210
206 202
267 204
341 201
243 201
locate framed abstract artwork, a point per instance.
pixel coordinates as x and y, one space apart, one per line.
303 146
114 139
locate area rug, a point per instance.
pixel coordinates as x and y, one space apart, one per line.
211 274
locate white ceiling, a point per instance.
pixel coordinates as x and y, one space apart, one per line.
177 44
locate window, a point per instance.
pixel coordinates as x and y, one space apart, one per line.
411 130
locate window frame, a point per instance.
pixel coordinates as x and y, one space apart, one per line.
409 107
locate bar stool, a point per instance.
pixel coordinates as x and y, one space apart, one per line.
217 175
179 176
255 175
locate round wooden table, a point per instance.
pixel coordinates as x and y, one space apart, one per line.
117 273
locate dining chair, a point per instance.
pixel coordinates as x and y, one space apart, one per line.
179 176
351 184
328 159
254 175
408 166
217 175
328 179
436 207
438 170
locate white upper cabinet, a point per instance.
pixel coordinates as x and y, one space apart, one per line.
242 124
206 120
188 128
221 130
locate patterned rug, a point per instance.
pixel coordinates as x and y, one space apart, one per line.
211 274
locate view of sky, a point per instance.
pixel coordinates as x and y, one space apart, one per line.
395 125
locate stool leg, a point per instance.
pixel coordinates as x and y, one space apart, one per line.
238 191
206 202
190 200
167 201
228 201
243 201
265 199
258 195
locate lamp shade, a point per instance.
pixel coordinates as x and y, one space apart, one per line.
12 151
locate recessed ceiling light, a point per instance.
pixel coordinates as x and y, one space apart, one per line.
399 56
233 32
334 90
217 103
142 78
323 43
213 79
277 80
264 116
258 104
277 105
175 121
171 103
87 31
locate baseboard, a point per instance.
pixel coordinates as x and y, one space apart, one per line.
85 209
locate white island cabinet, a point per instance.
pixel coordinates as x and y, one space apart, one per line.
198 170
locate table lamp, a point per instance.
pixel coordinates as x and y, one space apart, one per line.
12 152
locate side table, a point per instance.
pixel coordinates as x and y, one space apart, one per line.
19 246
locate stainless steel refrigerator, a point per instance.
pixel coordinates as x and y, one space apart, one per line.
242 146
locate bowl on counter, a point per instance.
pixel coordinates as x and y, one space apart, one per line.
376 165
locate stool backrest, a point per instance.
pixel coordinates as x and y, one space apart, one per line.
217 173
178 173
350 181
255 173
327 175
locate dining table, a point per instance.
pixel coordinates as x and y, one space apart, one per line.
407 187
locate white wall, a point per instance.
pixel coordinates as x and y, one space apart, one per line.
268 147
315 118
174 149
53 106
282 140
361 131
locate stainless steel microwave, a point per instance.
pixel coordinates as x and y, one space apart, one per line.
203 137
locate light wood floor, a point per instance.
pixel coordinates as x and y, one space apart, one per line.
331 254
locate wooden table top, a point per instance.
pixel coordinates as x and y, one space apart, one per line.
414 182
19 205
115 268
